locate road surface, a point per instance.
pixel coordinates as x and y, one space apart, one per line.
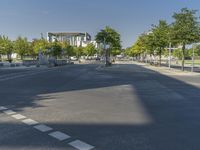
125 107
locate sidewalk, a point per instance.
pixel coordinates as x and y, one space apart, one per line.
167 70
160 69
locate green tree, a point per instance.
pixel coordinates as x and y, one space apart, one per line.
128 51
115 52
161 37
196 51
144 45
56 49
6 47
89 50
139 46
22 47
177 53
150 43
68 49
78 51
109 36
40 45
185 29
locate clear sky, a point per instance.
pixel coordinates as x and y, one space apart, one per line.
129 17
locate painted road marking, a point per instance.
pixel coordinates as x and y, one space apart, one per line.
18 116
43 128
81 145
9 112
3 108
59 135
30 122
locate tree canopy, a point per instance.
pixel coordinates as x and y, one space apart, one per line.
22 46
109 36
6 47
186 29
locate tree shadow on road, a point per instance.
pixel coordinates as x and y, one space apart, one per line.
122 109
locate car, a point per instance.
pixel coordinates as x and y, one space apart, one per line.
73 58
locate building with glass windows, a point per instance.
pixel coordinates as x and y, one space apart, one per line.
77 39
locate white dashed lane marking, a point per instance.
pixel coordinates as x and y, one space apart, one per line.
3 108
9 112
59 135
43 128
81 145
30 122
18 116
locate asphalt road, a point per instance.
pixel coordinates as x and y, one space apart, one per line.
125 107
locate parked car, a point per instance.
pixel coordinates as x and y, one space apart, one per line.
73 58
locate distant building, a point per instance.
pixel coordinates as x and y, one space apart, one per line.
74 38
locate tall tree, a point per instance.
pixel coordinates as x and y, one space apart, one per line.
78 51
185 29
41 45
56 49
145 44
22 46
161 37
139 46
89 50
109 36
68 49
6 47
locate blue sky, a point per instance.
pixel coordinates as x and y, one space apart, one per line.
129 17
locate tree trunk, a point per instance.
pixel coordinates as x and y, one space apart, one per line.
160 55
143 57
22 57
183 57
9 57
